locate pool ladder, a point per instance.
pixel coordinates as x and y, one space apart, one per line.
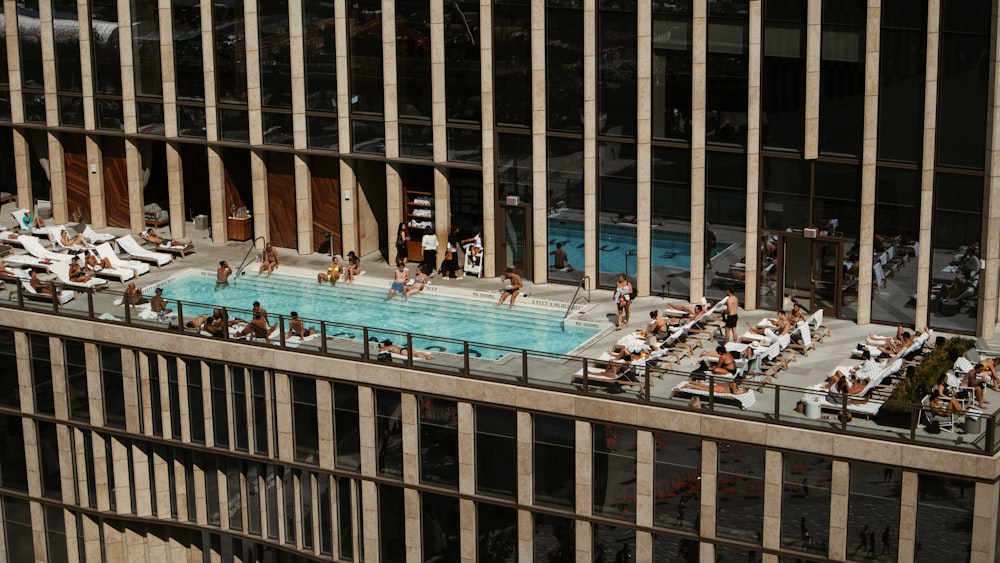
243 263
584 285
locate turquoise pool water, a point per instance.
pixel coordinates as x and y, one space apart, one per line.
434 315
668 248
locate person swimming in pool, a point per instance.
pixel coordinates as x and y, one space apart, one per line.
388 346
399 279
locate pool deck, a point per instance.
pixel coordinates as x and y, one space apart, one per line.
555 372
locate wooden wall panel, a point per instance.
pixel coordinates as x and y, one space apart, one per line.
281 200
115 182
77 182
326 204
237 178
194 159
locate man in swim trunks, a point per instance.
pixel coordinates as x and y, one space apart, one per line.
515 287
296 328
399 279
222 275
268 260
559 257
732 306
332 273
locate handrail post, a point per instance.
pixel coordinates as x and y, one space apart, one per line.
128 309
409 349
180 316
225 323
990 433
777 402
914 417
586 377
465 357
711 392
649 378
367 347
322 336
55 297
90 303
20 296
524 366
843 413
281 329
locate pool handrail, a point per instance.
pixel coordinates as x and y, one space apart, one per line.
585 285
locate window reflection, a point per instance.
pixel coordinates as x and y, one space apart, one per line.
512 63
944 518
565 205
805 502
438 441
146 49
188 64
275 60
320 55
365 25
962 83
440 528
725 229
496 531
496 451
613 543
554 538
740 495
104 42
902 60
897 228
671 71
388 434
564 66
614 471
392 523
67 45
463 102
348 441
873 512
554 461
616 68
783 83
956 262
842 78
726 83
677 481
413 59
618 210
670 256
305 421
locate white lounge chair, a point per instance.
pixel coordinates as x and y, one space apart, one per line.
819 330
55 236
19 217
61 270
95 237
105 250
744 400
131 247
35 248
65 295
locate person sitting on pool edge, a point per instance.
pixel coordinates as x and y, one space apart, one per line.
419 282
353 267
268 260
388 346
513 290
332 273
399 279
296 328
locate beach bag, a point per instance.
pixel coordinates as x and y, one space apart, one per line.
933 427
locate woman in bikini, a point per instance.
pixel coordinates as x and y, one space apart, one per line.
388 346
418 283
332 273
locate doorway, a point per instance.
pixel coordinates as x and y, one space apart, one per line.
514 234
812 271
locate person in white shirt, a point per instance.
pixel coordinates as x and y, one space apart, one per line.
429 242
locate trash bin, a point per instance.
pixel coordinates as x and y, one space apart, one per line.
973 424
201 222
812 408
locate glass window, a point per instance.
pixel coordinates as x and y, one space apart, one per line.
196 403
344 518
438 441
963 83
146 49
234 501
805 502
902 62
9 392
392 523
669 548
785 187
413 59
842 78
30 46
554 461
305 499
188 63
416 141
670 258
958 202
114 386
740 495
612 543
322 132
618 210
465 145
220 410
725 228
463 102
17 520
565 204
258 389
514 165
48 458
944 518
55 534
325 515
554 538
677 481
671 71
68 77
440 529
512 64
173 390
836 200
564 66
41 374
614 471
726 82
616 56
230 52
239 387
277 128
288 492
897 222
104 42
873 512
306 422
13 474
496 531
234 125
253 498
388 434
365 25
275 60
345 426
155 404
496 451
320 55
783 82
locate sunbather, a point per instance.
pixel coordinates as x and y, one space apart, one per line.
76 272
972 381
353 267
780 325
158 304
733 387
31 221
257 328
65 240
4 271
796 315
198 322
133 296
945 406
842 383
388 346
694 311
39 285
332 273
726 364
149 235
94 264
419 282
296 328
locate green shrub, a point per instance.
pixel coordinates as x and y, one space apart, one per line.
912 389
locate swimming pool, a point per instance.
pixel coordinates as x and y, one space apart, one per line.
445 316
669 249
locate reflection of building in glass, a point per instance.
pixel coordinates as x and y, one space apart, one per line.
837 152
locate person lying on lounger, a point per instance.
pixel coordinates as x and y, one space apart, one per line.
94 264
65 240
388 346
39 285
733 387
150 236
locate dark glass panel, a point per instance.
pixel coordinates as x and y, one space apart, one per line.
104 42
438 441
109 114
391 524
29 42
616 90
783 83
671 103
173 390
740 510
48 459
230 53
677 481
554 538
565 203
190 121
155 404
463 102
4 75
234 501
275 59
325 515
150 118
496 451
17 520
41 374
345 426
496 531
67 45
306 421
55 534
188 63
897 222
785 187
322 132
288 492
612 543
725 188
955 258
963 83
554 461
4 104
388 434
842 78
805 503
671 221
13 474
278 129
369 136
564 67
466 200
196 402
220 409
344 518
71 111
512 65
902 60
416 141
669 548
618 208
726 83
365 25
146 49
305 497
439 521
614 471
873 512
836 197
320 55
113 386
34 107
253 498
240 430
9 392
413 59
465 145
944 518
514 165
75 356
234 125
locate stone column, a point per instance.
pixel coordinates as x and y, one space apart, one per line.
134 171
927 166
591 207
95 388
344 135
130 393
216 192
411 507
258 182
166 25
390 80
908 514
206 409
211 117
814 35
325 429
709 485
438 109
699 79
990 252
367 431
539 162
253 77
491 246
303 204
14 64
182 400
95 182
348 209
644 132
868 159
128 72
525 483
86 65
57 177
984 519
141 484
645 499
752 236
840 491
22 165
283 415
772 501
123 484
175 186
47 40
584 489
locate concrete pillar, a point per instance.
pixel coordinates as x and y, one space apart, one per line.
395 208
253 79
645 500
411 438
140 482
467 530
814 36
466 450
366 431
22 162
25 389
390 80
772 499
411 505
990 251
135 177
907 516
325 429
438 109
216 190
699 79
752 236
175 186
123 483
13 69
129 120
283 404
32 463
258 182
869 158
644 132
709 485
95 388
95 180
369 506
348 209
927 167
344 136
131 391
183 402
57 178
584 489
166 24
102 488
303 203
297 59
211 116
145 396
525 486
840 492
590 197
491 246
47 39
539 162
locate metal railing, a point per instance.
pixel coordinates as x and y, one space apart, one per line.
584 285
898 422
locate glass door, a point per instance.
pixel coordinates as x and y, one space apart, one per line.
515 235
812 272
